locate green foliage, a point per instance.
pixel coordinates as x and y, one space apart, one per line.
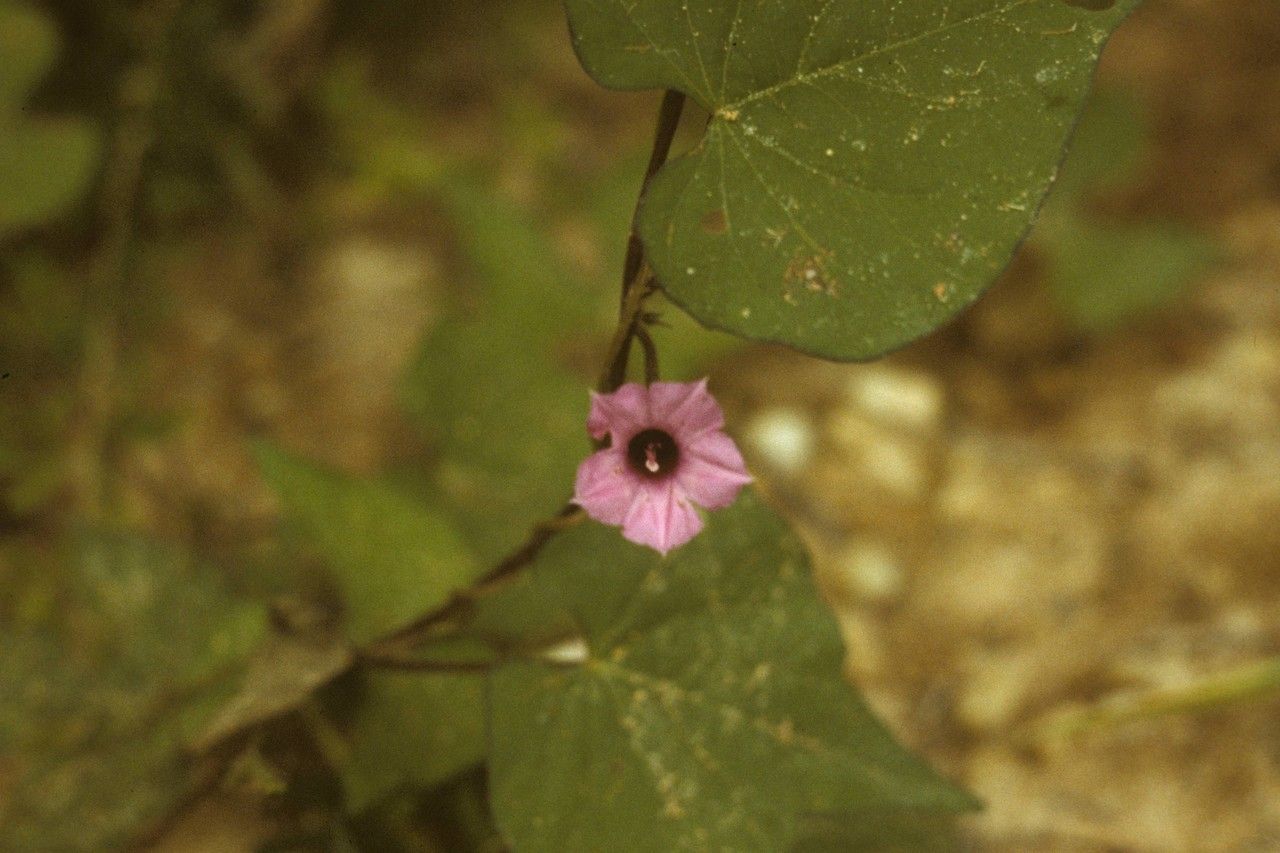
1104 273
412 731
687 349
868 167
391 558
45 164
28 43
387 148
97 704
489 385
708 711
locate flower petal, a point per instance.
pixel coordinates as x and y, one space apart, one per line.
685 409
604 487
712 471
623 413
661 517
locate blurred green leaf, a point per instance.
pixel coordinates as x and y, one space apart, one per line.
385 143
391 557
1103 275
43 168
1106 146
489 385
45 165
412 730
282 674
709 710
95 708
869 167
28 43
1102 272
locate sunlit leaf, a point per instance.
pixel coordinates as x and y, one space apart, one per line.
391 557
708 710
868 168
95 711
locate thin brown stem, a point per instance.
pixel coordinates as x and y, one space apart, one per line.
462 601
668 122
634 286
651 371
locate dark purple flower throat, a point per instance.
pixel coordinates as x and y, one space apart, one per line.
653 453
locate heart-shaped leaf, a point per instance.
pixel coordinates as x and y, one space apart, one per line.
707 710
869 165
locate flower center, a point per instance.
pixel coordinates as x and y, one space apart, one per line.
653 453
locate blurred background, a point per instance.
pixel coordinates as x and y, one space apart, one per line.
246 244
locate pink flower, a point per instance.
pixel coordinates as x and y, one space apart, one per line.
667 452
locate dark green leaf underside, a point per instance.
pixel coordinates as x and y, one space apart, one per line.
710 712
869 167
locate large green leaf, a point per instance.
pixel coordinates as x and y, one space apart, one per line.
97 704
708 710
869 166
392 558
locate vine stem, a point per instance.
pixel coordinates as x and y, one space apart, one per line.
636 287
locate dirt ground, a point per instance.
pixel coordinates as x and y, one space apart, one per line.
1014 524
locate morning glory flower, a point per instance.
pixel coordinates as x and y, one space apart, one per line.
667 454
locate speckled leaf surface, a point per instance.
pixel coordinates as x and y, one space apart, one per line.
869 165
709 712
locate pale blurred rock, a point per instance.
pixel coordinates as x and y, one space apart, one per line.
867 571
783 438
1003 684
897 397
893 463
